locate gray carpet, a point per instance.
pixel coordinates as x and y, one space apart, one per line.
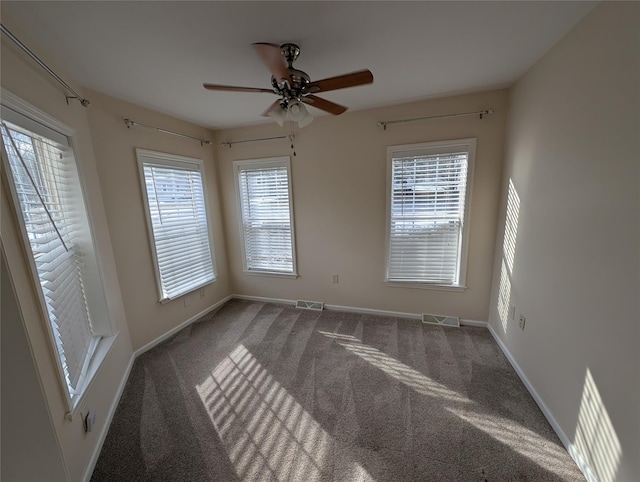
265 392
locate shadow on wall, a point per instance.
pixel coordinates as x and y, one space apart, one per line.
508 254
595 438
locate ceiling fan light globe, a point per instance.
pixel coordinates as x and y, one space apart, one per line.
296 111
305 121
278 115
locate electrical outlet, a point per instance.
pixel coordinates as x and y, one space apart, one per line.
187 301
522 321
335 278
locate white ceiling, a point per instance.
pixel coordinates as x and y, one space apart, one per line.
158 53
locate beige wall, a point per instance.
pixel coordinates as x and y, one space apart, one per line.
22 394
573 156
21 77
339 196
115 146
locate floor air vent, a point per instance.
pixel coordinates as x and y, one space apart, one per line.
440 320
310 305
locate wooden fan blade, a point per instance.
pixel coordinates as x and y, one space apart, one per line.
323 104
233 88
361 77
272 58
272 107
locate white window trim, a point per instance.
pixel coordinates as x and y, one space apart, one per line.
39 120
173 160
434 147
265 163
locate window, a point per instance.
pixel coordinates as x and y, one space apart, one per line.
179 229
266 216
428 198
47 195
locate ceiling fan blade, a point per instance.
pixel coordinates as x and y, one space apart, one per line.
234 88
323 104
272 107
353 79
272 58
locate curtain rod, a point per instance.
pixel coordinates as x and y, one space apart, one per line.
291 137
481 113
84 102
129 123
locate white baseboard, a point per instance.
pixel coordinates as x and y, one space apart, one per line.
176 329
571 448
105 427
368 311
356 309
264 299
475 323
350 309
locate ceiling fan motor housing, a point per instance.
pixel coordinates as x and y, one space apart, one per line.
290 52
299 79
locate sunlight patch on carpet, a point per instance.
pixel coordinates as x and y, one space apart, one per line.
265 431
396 369
526 442
520 439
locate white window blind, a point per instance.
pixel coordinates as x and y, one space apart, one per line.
266 215
176 210
427 213
43 184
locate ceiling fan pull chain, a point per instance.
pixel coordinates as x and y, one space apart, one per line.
292 137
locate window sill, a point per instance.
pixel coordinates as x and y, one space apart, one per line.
425 286
102 351
271 274
164 301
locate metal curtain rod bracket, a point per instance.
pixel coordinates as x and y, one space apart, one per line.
291 137
480 113
129 123
84 102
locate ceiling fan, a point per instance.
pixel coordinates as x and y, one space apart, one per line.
294 86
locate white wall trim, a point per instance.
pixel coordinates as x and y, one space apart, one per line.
264 299
571 448
475 323
182 325
368 311
355 309
350 309
105 428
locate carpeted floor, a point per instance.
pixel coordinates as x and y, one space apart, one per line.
265 392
